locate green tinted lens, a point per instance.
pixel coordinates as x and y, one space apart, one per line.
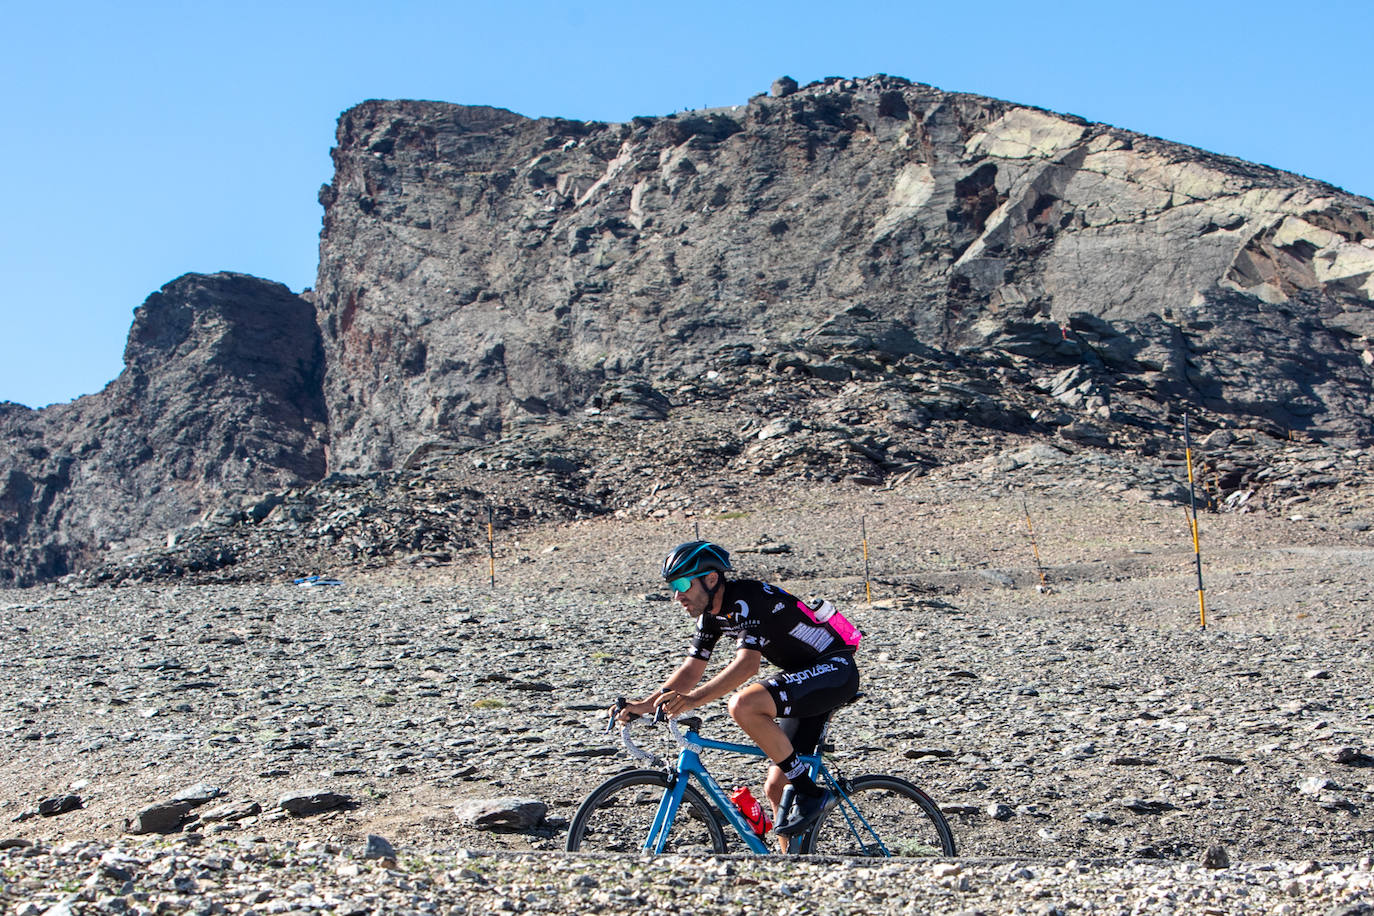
681 585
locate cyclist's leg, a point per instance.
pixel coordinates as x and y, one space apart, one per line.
755 711
804 732
830 683
773 785
815 691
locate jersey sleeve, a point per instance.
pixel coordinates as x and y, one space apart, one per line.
750 635
751 625
708 634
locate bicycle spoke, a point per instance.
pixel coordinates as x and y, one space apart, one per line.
618 814
885 816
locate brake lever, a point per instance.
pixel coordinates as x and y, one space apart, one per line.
620 704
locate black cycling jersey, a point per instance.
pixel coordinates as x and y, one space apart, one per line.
764 617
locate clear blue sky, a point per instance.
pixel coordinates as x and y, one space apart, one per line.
143 140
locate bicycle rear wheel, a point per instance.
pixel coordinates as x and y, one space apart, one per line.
618 814
883 816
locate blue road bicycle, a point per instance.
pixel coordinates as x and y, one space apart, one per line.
659 810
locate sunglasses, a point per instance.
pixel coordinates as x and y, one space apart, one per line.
681 585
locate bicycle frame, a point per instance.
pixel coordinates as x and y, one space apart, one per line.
689 765
676 776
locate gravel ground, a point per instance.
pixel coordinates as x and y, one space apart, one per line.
247 876
1089 740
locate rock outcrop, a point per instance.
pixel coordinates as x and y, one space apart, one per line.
221 394
480 269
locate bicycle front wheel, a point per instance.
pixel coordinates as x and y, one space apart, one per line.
618 814
882 816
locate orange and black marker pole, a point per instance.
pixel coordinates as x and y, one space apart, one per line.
863 528
1039 567
1192 506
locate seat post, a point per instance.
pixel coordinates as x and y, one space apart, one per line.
823 743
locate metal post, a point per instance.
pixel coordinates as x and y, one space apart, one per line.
868 589
491 546
1039 567
1192 506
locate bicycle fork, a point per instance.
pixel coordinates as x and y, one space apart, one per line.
667 812
671 806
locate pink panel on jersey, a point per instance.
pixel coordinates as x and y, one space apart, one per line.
827 613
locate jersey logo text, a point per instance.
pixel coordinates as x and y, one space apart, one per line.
818 638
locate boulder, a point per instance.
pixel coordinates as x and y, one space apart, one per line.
783 86
312 802
61 804
164 817
378 847
504 813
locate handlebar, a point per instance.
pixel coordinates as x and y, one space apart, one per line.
634 749
677 734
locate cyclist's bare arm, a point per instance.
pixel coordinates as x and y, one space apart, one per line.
680 681
742 667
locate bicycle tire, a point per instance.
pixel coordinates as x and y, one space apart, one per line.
907 823
618 814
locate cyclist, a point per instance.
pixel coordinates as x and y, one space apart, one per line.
784 713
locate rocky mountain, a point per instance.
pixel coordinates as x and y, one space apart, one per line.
854 280
479 269
220 394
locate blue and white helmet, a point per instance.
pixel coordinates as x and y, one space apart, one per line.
695 558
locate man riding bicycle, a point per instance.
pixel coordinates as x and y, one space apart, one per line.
783 714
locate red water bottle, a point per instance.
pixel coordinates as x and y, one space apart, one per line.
753 812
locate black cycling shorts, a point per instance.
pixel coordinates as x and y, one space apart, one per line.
806 698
